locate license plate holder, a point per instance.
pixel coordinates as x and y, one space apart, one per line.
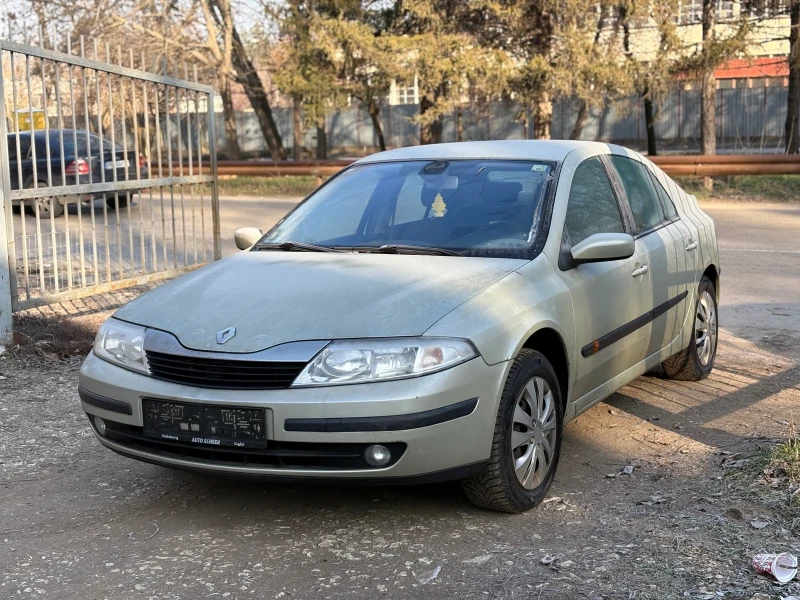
205 424
115 164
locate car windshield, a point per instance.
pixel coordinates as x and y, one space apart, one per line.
476 207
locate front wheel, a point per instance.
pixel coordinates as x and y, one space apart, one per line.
122 200
696 361
527 439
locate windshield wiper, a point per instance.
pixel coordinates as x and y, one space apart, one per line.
290 246
405 249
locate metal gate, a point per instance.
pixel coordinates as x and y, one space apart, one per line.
107 174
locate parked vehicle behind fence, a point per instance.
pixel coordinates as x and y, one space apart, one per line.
87 158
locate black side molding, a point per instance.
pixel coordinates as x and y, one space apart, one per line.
390 423
116 406
631 326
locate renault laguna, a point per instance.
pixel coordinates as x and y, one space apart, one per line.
431 313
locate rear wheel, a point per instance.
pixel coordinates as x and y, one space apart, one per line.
47 205
696 361
527 439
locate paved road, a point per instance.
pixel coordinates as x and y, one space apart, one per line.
78 522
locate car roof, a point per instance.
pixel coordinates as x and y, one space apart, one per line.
40 133
555 150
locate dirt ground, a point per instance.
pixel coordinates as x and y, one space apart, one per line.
79 522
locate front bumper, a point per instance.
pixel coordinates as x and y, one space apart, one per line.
349 416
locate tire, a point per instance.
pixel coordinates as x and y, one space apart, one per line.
499 488
696 361
123 200
47 204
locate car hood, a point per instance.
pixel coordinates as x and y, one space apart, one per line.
275 297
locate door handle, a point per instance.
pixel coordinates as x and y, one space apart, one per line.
691 246
640 271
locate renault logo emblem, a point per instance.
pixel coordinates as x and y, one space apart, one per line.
226 334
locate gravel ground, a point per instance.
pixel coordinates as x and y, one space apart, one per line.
644 504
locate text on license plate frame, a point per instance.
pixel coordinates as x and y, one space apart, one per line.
205 424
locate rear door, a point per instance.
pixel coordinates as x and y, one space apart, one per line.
19 161
665 238
608 297
13 163
687 264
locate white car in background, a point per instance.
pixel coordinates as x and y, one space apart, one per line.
436 312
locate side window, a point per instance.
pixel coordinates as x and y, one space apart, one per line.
641 194
666 201
592 207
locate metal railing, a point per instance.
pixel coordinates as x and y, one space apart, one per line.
716 165
108 173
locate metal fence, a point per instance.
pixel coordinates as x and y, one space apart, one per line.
107 174
749 119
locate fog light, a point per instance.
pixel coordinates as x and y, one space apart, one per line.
377 455
100 425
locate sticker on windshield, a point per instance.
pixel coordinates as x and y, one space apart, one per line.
539 168
439 206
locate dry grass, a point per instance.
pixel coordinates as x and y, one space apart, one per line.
783 463
770 479
54 337
266 186
772 188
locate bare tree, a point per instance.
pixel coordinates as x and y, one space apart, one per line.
708 94
793 100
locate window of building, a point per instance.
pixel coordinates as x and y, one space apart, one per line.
407 95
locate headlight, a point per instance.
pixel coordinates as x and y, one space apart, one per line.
357 361
122 344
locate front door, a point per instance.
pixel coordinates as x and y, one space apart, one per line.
609 298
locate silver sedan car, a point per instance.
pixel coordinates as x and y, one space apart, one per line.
430 313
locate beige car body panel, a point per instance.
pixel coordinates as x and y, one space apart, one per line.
498 304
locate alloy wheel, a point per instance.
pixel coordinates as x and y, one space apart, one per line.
533 433
705 328
44 205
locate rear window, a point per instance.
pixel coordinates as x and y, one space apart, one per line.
77 144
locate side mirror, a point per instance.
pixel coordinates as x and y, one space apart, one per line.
245 237
602 247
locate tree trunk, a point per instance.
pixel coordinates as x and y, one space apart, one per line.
430 132
650 125
297 129
246 75
459 125
793 101
708 134
232 149
374 114
543 114
580 121
322 140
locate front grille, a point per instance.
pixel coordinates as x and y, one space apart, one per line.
277 455
223 374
